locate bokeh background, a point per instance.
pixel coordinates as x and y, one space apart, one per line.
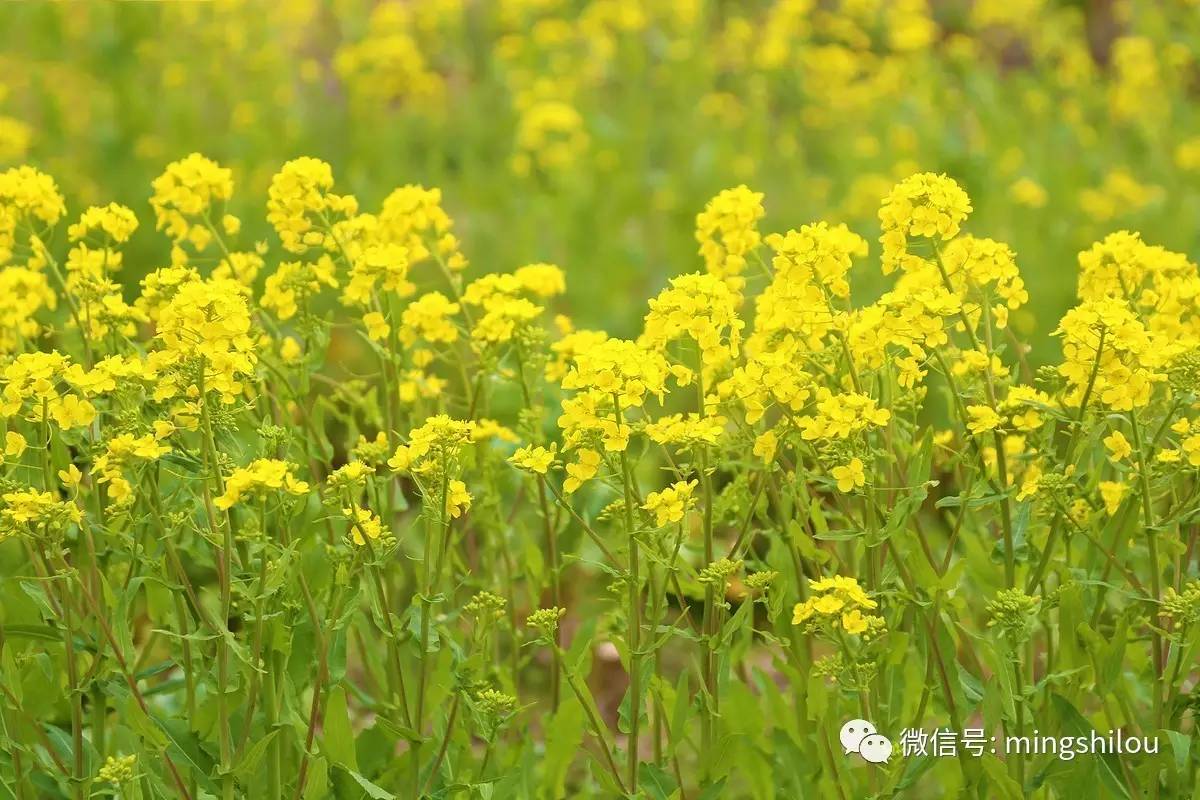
588 133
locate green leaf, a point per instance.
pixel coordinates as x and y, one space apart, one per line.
805 543
397 730
920 466
818 697
42 633
338 738
972 687
1075 724
624 711
1000 785
250 761
1181 748
914 768
840 535
681 710
564 735
900 514
657 782
817 517
317 787
373 791
713 791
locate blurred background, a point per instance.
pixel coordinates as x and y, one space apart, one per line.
589 133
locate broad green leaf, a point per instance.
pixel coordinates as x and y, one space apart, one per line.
1074 724
373 791
253 756
657 782
337 739
317 787
564 735
1000 784
1181 749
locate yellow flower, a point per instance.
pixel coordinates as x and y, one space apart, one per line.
699 307
839 601
115 221
1130 358
362 521
209 321
671 503
117 769
690 431
816 255
186 192
1112 492
1028 192
849 475
853 621
265 474
727 230
71 476
485 429
533 459
290 350
377 326
32 195
550 136
412 216
926 205
544 280
503 318
378 268
293 282
433 447
765 445
458 499
1168 456
829 604
429 317
982 419
841 416
298 198
33 511
70 411
587 463
14 444
1118 447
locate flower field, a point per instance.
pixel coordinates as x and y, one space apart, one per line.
672 400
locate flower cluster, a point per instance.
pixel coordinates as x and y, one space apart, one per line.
188 196
838 603
261 477
727 230
925 205
670 504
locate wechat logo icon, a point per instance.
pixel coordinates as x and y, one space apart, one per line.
860 736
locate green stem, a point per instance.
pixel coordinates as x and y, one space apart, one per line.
224 561
76 697
270 726
635 625
441 753
598 729
426 608
555 578
1010 569
708 620
1155 567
